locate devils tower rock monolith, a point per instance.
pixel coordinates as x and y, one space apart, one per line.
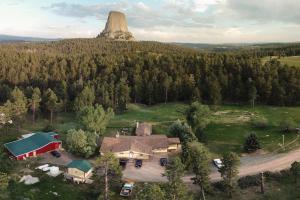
116 27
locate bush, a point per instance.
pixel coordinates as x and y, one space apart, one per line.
288 125
259 123
49 128
249 181
219 186
82 143
278 175
252 143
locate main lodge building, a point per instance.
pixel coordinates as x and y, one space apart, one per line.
141 146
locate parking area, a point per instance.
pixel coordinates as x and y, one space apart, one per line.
63 160
151 171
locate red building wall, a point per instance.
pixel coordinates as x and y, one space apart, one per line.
50 147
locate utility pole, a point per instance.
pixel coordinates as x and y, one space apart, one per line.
262 187
283 142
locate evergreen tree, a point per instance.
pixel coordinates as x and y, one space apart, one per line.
109 165
295 169
4 180
229 171
167 81
252 143
85 98
252 94
123 97
186 135
34 102
52 103
197 115
95 119
81 143
200 166
150 191
176 189
17 105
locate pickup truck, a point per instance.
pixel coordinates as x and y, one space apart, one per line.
126 190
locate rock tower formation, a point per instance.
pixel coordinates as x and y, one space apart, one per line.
116 27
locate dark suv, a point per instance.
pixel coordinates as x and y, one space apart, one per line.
55 154
138 163
123 163
163 161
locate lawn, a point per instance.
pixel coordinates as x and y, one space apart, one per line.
290 61
228 128
161 116
52 188
231 125
227 131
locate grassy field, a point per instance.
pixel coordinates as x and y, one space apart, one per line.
290 61
229 124
161 116
227 131
53 188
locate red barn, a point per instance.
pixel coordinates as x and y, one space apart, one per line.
33 145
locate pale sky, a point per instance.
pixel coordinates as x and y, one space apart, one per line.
197 21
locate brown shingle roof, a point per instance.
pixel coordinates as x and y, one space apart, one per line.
136 143
173 140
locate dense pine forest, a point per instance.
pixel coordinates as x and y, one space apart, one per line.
115 73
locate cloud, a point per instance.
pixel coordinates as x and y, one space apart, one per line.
262 11
139 14
191 6
197 20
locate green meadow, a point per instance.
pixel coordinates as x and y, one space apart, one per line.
290 60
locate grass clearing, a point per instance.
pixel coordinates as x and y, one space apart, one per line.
227 131
290 60
160 115
48 187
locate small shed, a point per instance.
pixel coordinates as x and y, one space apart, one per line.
79 171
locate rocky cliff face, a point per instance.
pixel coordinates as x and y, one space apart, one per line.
116 27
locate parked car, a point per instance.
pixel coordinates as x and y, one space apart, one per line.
138 163
163 161
218 163
55 154
123 163
126 189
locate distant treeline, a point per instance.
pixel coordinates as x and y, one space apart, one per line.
147 72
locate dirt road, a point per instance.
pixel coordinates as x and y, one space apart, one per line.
260 163
250 164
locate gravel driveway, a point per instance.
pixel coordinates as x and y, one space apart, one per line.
250 164
65 158
151 171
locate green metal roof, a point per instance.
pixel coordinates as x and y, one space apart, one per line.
82 165
34 142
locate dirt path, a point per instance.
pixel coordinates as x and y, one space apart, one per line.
260 163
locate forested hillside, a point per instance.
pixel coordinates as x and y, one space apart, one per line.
143 72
